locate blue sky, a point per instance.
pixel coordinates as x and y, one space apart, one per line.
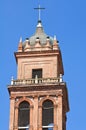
67 20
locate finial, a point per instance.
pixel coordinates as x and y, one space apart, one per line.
39 12
20 39
36 79
54 37
39 24
55 43
12 80
27 39
48 38
37 39
20 45
61 78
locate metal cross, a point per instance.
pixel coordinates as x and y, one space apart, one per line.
39 10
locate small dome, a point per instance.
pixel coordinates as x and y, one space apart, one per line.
41 35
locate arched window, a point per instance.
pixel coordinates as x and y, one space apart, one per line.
47 115
24 116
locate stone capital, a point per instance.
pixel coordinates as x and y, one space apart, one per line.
60 94
35 96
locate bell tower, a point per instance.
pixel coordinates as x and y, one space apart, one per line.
38 97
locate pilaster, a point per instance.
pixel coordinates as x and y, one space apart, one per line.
40 118
31 117
59 111
55 117
16 119
12 106
35 113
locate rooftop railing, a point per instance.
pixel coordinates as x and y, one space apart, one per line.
36 81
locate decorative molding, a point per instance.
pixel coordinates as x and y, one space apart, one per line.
37 87
47 98
60 95
24 99
12 97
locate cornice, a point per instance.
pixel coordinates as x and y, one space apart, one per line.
36 87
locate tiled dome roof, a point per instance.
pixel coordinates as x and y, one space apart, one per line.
39 34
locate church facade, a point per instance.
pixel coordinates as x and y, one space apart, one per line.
38 97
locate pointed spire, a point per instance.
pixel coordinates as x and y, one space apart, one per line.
55 40
20 45
20 39
54 37
55 43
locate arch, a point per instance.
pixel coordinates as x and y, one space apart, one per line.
47 98
17 104
24 99
54 111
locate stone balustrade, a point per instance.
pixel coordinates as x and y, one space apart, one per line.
35 81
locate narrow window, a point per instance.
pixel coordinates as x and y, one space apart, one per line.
47 115
37 72
24 116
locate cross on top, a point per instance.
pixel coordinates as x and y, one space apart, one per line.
39 11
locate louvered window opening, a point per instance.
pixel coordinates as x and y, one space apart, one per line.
47 115
24 116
